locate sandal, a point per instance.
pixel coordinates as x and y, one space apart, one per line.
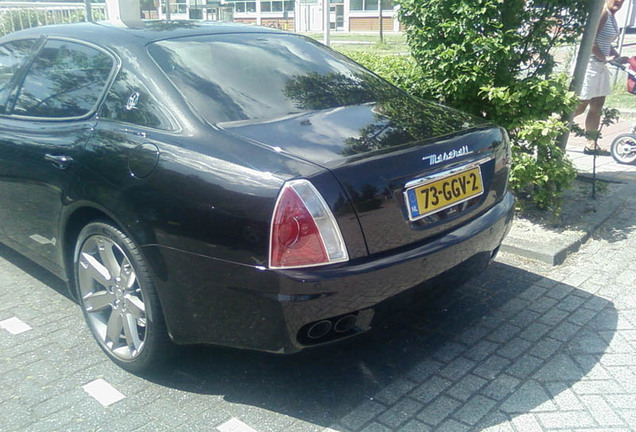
597 151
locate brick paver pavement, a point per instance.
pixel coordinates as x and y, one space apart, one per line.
523 347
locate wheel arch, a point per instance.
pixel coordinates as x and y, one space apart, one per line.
77 218
80 215
71 229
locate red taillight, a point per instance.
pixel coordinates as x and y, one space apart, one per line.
304 232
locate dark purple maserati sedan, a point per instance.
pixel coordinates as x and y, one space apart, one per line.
233 185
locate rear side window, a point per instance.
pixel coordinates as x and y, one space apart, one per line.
12 56
129 101
66 79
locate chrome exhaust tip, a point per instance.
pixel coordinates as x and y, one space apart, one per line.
319 330
345 323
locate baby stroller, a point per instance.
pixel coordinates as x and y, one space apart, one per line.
623 147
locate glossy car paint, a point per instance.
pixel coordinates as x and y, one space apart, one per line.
198 197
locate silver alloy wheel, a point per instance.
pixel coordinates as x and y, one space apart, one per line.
112 297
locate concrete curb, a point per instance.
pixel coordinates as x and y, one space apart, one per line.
553 247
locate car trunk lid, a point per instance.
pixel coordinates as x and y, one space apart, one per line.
398 162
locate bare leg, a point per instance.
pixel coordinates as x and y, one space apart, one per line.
593 118
581 108
592 123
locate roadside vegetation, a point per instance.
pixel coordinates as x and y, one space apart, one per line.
367 49
495 60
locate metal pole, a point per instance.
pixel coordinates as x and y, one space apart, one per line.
89 12
621 41
167 10
326 19
380 19
583 57
587 42
594 177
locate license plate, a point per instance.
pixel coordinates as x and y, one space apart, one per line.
441 193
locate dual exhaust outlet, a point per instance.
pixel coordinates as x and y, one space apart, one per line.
325 327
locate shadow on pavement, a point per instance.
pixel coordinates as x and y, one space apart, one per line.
500 345
619 226
580 210
34 270
509 339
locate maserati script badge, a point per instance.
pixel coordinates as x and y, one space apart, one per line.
442 157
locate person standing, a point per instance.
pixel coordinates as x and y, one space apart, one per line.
596 85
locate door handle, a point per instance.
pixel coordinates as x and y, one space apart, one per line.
60 161
133 132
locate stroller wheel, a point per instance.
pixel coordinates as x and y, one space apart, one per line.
624 148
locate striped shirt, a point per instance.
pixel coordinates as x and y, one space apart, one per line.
607 35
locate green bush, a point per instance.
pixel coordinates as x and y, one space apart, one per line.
493 58
400 70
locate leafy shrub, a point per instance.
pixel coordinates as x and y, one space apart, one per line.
400 70
493 59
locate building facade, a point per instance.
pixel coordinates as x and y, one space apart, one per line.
292 15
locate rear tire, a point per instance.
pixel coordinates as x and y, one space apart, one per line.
118 298
623 148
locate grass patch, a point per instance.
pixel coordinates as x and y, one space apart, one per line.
620 98
336 37
393 43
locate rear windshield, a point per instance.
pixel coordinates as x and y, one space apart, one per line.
237 77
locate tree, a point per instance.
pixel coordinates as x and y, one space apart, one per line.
494 59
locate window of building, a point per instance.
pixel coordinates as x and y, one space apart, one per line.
266 6
247 6
371 5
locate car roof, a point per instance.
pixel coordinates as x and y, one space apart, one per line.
107 33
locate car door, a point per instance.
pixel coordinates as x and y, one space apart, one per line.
48 118
13 56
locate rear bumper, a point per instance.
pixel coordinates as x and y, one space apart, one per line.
211 301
